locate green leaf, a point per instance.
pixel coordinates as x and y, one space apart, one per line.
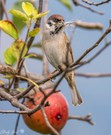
34 32
34 56
7 77
12 54
66 3
38 45
29 9
8 57
29 55
16 49
20 89
9 28
41 14
19 24
19 15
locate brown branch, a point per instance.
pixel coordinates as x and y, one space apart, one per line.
45 61
17 121
19 65
35 56
5 11
37 24
4 69
76 3
7 70
96 4
13 112
93 75
48 123
1 10
12 100
87 118
88 25
16 125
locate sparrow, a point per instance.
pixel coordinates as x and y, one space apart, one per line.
57 49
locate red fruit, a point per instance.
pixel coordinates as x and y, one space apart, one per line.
57 112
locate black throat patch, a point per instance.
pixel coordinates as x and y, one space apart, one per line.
56 30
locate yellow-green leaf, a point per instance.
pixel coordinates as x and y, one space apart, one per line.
66 3
20 89
19 14
29 9
34 32
16 49
41 14
7 76
9 28
8 57
12 54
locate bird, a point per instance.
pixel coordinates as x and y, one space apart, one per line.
57 48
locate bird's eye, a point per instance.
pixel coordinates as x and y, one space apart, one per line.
50 24
56 20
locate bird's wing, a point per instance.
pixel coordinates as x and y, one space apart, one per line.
70 58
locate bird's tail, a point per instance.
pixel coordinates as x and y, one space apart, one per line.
76 98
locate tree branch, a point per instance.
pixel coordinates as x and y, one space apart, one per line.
93 75
76 3
48 123
87 118
96 4
5 11
12 100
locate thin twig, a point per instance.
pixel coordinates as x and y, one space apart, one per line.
87 118
20 62
5 11
35 56
16 125
96 4
76 3
12 100
1 10
93 75
45 61
13 112
37 24
48 123
21 53
17 121
88 25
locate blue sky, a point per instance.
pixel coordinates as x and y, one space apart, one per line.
96 92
